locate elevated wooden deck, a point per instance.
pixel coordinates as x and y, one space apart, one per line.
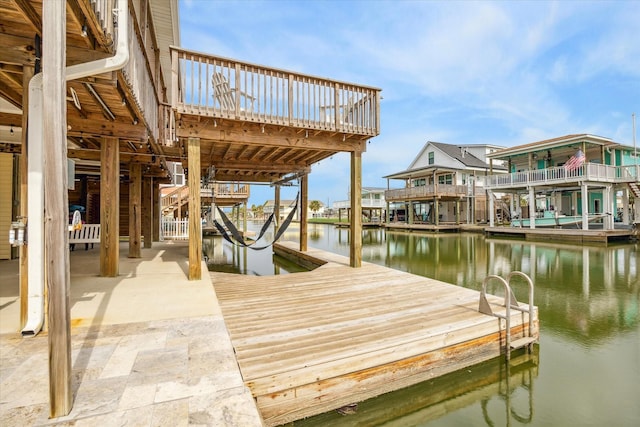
307 343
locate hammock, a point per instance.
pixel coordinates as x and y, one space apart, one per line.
239 240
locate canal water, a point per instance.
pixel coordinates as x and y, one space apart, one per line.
585 370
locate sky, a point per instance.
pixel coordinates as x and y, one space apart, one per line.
459 72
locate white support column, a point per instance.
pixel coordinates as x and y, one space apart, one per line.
585 206
625 206
532 208
491 216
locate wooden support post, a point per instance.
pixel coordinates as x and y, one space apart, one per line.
109 207
304 203
195 225
147 211
56 206
355 249
157 214
27 74
276 207
135 210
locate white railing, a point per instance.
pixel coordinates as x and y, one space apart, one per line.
365 203
174 229
586 172
220 87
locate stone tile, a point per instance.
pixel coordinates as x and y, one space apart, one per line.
213 363
98 397
137 396
229 408
173 413
120 363
156 366
28 415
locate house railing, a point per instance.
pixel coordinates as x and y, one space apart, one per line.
223 88
365 203
227 190
586 172
431 190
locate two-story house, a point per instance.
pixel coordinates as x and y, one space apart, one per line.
443 184
584 181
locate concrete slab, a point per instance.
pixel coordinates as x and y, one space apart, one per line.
148 346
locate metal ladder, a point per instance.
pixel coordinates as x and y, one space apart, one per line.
485 308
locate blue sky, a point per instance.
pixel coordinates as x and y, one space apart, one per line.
459 72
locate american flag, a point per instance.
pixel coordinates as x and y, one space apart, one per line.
575 161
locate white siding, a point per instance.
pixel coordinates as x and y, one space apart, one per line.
6 182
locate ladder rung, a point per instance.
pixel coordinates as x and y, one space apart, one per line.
522 342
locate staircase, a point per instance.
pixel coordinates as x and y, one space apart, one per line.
635 189
174 200
510 303
502 210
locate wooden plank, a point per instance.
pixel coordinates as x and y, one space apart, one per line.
54 126
304 206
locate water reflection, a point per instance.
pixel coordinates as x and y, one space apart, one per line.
589 305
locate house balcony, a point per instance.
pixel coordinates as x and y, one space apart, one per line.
221 88
561 177
430 191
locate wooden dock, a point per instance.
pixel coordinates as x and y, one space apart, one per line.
311 342
565 235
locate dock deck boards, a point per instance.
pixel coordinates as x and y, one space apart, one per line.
310 342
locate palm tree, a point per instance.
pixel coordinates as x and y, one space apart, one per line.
315 205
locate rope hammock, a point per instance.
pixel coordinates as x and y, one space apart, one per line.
239 240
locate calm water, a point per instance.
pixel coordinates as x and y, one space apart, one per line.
586 370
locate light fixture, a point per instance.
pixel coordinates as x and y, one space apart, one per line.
11 130
81 140
135 121
83 32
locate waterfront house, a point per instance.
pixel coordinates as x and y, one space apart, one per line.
106 84
373 205
444 184
583 181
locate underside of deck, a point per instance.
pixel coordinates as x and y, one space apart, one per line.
310 342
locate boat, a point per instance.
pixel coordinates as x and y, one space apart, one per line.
554 219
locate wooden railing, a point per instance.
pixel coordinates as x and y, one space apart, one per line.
218 87
365 203
178 197
427 191
227 190
555 175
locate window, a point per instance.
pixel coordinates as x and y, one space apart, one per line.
431 157
445 179
419 182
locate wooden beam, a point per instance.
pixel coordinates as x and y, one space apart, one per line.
135 210
30 15
156 211
109 207
304 202
355 248
195 225
96 125
56 208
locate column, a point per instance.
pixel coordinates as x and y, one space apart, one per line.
135 210
109 207
304 197
585 206
195 225
355 248
532 208
56 254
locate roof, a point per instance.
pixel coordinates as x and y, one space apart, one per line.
551 143
455 152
